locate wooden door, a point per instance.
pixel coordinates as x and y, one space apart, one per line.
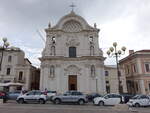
72 82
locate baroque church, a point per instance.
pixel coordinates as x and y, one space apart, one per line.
72 58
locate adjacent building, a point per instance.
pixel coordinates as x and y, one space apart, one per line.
72 59
111 79
15 68
137 71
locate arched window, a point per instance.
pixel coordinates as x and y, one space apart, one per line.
53 50
20 75
93 71
9 58
72 52
52 71
91 50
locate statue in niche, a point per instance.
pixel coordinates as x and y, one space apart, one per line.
52 71
91 50
92 71
53 50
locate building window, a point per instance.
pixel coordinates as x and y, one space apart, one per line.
20 75
134 68
52 71
53 50
127 70
93 71
147 68
106 73
8 71
91 50
72 52
9 58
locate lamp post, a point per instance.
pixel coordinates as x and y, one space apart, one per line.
113 52
2 49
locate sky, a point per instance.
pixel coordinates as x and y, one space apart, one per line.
126 22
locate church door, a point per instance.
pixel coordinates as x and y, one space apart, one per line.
72 82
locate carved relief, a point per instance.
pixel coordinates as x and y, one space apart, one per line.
72 70
72 41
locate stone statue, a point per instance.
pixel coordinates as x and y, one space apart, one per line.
49 25
95 26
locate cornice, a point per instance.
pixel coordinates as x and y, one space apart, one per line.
61 58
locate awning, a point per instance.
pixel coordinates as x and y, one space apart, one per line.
11 84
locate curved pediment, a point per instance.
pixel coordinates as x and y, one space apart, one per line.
72 23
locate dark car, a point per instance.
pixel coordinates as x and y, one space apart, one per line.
13 95
92 96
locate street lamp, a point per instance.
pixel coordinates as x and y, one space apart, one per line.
2 49
113 52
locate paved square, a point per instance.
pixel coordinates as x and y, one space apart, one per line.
13 107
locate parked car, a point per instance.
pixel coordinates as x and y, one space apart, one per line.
92 96
108 99
32 96
70 96
13 95
139 100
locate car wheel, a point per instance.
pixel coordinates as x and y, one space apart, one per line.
101 103
21 101
137 105
81 102
57 101
42 101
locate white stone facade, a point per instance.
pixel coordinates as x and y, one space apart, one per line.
71 59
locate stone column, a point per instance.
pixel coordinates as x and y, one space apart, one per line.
142 87
41 78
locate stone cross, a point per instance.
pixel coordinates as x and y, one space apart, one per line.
72 6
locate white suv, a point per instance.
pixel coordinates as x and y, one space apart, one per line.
108 99
32 96
139 100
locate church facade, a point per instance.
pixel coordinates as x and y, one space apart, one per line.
72 59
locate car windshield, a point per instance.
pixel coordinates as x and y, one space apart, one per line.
136 97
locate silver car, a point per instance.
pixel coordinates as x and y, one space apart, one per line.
70 97
32 96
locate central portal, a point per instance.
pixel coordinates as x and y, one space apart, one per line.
72 82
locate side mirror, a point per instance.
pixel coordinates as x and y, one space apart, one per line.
27 94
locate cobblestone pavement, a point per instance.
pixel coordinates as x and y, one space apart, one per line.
13 107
